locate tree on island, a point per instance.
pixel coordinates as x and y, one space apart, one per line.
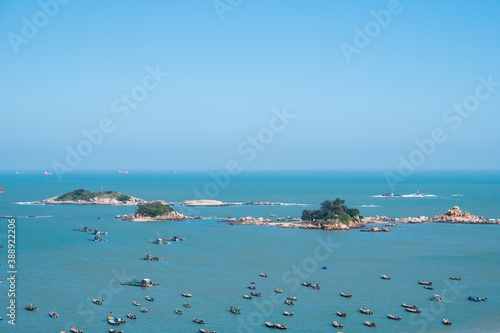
153 209
330 212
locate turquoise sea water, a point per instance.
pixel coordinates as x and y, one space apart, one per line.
59 270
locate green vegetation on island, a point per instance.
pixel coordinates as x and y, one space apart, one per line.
331 212
153 209
85 195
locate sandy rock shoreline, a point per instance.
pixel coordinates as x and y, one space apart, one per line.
172 216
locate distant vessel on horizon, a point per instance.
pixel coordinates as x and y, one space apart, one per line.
45 173
123 172
413 195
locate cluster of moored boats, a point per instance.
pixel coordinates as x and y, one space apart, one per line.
114 320
96 232
290 300
407 307
163 241
314 285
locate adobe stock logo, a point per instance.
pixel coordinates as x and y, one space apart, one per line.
31 27
371 30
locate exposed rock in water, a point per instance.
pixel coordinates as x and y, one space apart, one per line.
216 203
455 215
204 203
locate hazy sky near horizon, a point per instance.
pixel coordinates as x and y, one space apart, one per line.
268 84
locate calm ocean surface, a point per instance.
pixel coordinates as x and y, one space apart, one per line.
59 270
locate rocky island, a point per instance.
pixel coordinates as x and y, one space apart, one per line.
155 211
85 197
335 215
216 203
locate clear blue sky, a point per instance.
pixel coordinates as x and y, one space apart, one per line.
226 77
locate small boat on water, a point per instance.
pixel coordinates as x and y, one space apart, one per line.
306 284
176 239
136 303
251 287
144 283
336 324
30 307
178 311
385 277
324 267
149 298
288 302
144 310
83 229
315 286
247 297
365 311
436 298
446 321
280 326
256 294
455 278
292 298
116 321
75 330
277 290
131 316
413 310
159 240
393 317
53 314
390 224
198 321
187 295
370 324
346 295
97 301
408 306
269 324
428 288
97 239
202 330
150 257
476 299
426 283
263 275
288 314
112 330
252 282
187 305
341 314
235 310
97 232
